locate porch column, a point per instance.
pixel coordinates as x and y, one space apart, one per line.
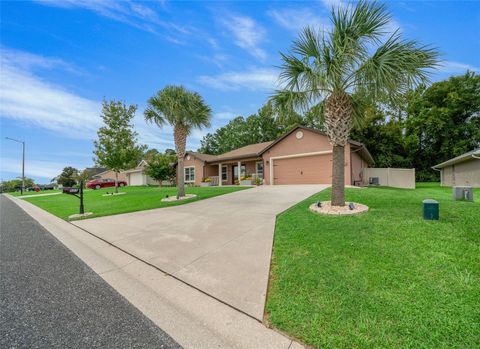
239 170
220 174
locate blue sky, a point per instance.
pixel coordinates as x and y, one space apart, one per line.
59 59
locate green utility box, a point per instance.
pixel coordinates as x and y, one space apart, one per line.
430 209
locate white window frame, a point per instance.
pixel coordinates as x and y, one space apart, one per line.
263 169
226 173
190 180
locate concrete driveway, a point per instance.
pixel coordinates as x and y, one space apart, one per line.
220 245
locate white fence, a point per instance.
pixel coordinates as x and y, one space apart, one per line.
391 177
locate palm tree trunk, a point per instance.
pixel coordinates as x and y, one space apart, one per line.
338 176
180 138
338 123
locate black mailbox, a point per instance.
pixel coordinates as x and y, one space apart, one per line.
78 192
71 190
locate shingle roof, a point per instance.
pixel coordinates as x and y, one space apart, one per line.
246 151
460 158
257 149
203 157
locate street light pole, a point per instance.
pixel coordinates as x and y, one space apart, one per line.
23 162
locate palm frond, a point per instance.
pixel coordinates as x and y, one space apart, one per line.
176 105
395 66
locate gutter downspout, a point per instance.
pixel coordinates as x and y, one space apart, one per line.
441 175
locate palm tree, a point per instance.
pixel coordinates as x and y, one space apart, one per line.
184 110
332 68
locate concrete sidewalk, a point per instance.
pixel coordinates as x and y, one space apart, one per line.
221 245
192 318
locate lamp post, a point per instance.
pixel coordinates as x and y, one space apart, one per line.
23 162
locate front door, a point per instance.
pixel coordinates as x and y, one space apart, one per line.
235 173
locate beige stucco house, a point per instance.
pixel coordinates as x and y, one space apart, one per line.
462 170
301 156
109 174
137 176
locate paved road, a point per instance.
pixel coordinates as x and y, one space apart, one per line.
50 299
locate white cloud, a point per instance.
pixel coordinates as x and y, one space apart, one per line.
28 61
133 13
296 19
225 115
34 168
253 79
333 3
457 67
247 34
35 102
27 98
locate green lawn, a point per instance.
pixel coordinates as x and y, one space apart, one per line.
382 279
135 199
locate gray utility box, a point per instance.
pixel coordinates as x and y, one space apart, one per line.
462 193
373 181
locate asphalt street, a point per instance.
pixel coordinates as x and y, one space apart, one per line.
49 298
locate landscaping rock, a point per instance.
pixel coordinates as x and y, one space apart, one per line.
174 198
327 208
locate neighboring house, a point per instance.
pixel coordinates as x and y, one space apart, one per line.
93 171
137 176
109 174
462 170
301 156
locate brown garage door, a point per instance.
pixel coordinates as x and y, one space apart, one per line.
316 169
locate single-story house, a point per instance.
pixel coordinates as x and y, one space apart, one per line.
301 156
109 174
137 176
93 171
461 170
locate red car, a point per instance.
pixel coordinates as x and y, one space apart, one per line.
104 183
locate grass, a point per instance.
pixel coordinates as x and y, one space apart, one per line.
135 199
382 279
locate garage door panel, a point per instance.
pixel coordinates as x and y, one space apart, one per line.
136 179
315 169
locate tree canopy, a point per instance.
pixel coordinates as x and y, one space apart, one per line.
353 58
68 177
184 110
160 167
425 127
15 184
116 147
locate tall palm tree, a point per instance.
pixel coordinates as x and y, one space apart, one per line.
184 110
335 66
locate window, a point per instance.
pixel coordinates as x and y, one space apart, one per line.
224 174
259 169
189 174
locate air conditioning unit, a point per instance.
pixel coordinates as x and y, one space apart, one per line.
373 181
462 193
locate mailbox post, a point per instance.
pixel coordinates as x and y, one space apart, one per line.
74 192
81 198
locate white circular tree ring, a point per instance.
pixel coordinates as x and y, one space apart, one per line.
327 208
